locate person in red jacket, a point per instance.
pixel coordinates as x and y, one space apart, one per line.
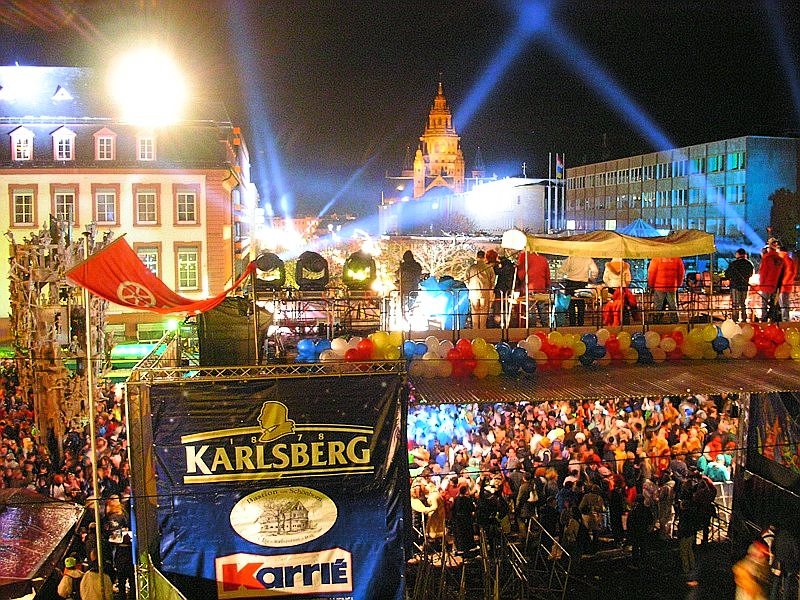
664 277
770 275
787 280
534 270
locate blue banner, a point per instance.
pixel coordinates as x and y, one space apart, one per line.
284 487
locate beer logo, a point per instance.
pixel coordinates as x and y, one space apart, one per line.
282 517
274 421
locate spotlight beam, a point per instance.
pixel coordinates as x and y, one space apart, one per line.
785 52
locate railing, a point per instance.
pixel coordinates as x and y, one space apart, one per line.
551 564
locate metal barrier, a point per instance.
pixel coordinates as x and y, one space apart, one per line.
551 564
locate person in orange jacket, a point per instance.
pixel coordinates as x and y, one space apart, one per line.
533 269
664 277
770 276
787 281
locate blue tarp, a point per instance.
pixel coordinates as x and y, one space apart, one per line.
640 228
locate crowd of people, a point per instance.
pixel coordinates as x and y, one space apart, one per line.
493 277
621 471
28 463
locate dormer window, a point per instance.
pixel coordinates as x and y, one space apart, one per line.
22 144
146 147
63 144
105 144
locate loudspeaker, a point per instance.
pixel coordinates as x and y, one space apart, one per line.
225 333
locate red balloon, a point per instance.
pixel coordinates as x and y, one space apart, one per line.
464 346
542 336
453 355
565 353
678 337
365 346
776 334
470 364
675 354
612 345
352 355
768 352
555 364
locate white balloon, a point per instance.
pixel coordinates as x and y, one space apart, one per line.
652 339
328 356
430 356
534 343
729 328
432 342
353 343
444 347
339 346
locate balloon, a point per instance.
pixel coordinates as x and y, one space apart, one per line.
748 331
533 343
391 353
720 344
352 355
613 345
652 339
736 352
539 356
659 355
645 356
444 347
339 345
464 346
555 338
416 368
494 369
668 344
518 356
481 370
305 347
504 350
430 356
604 360
589 339
737 341
580 348
602 336
776 334
749 349
569 363
678 336
638 340
529 365
795 353
365 347
328 356
709 353
729 328
322 345
599 352
432 343
708 333
586 359
793 337
510 369
454 355
409 348
783 350
630 355
380 339
420 348
396 338
353 343
478 346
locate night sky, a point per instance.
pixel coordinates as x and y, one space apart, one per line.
331 92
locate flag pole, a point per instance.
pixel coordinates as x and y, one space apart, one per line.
548 219
92 434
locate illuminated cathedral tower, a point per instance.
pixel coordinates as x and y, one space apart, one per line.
439 160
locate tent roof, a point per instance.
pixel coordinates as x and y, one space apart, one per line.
33 527
640 228
626 381
610 244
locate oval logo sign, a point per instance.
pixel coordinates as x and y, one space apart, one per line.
283 517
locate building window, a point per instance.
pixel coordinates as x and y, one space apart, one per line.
647 199
23 207
188 261
735 194
105 204
611 225
64 204
146 208
22 144
648 172
716 163
678 197
679 168
63 144
735 160
186 207
717 194
696 166
105 148
146 148
695 197
149 256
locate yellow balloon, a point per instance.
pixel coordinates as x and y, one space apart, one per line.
494 369
481 370
580 348
709 333
391 353
568 363
396 338
380 339
624 339
709 353
630 355
793 337
795 353
555 338
478 345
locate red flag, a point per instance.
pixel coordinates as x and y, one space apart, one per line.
117 274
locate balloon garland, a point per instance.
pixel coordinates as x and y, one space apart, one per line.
554 350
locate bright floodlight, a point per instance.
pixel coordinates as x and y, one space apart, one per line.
514 239
148 87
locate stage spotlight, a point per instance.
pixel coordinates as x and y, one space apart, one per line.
311 272
359 272
271 272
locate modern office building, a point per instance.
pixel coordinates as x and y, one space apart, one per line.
720 187
180 193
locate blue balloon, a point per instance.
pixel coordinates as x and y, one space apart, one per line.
586 359
645 356
420 348
529 365
720 343
518 356
589 340
510 369
305 347
638 340
322 345
504 350
409 347
597 351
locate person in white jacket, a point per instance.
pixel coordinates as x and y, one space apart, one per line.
577 272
